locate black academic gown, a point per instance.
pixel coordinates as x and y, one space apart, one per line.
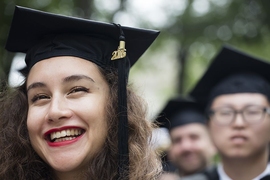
211 174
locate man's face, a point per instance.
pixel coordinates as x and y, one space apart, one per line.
191 149
240 139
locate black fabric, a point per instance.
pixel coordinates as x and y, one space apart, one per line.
252 76
30 26
123 147
96 49
211 173
266 177
186 116
180 111
241 83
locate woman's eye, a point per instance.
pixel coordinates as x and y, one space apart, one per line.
39 97
78 89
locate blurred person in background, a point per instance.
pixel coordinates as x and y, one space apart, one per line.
191 149
235 91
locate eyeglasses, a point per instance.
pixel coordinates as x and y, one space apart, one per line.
250 114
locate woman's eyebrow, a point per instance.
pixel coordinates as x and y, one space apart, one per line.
36 85
76 78
65 80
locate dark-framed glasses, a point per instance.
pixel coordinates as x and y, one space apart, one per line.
251 114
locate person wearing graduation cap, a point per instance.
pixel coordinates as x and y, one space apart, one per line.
75 117
235 91
191 149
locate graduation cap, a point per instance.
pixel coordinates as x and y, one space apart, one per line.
44 35
232 71
180 111
30 26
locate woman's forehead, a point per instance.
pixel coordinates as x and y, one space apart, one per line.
63 66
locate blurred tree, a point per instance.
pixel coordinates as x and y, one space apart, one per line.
242 23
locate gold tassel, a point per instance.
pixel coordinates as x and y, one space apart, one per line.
120 52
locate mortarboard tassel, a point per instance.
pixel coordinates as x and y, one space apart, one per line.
123 151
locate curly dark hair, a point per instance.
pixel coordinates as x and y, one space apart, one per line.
18 160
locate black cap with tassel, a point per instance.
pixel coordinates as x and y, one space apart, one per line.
123 156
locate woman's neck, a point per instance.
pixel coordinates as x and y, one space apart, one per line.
245 168
69 176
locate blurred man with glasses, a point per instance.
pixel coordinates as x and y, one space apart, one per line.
235 91
251 114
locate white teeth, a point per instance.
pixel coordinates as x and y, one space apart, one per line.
64 139
72 132
61 135
58 134
53 135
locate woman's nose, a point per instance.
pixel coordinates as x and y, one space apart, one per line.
58 109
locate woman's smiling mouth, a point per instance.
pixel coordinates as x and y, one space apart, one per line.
65 135
57 137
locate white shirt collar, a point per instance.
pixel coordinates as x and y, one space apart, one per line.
264 173
221 173
224 176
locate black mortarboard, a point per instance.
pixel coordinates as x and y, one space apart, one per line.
43 35
232 71
180 111
30 26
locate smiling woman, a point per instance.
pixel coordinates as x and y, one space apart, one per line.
75 117
67 114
